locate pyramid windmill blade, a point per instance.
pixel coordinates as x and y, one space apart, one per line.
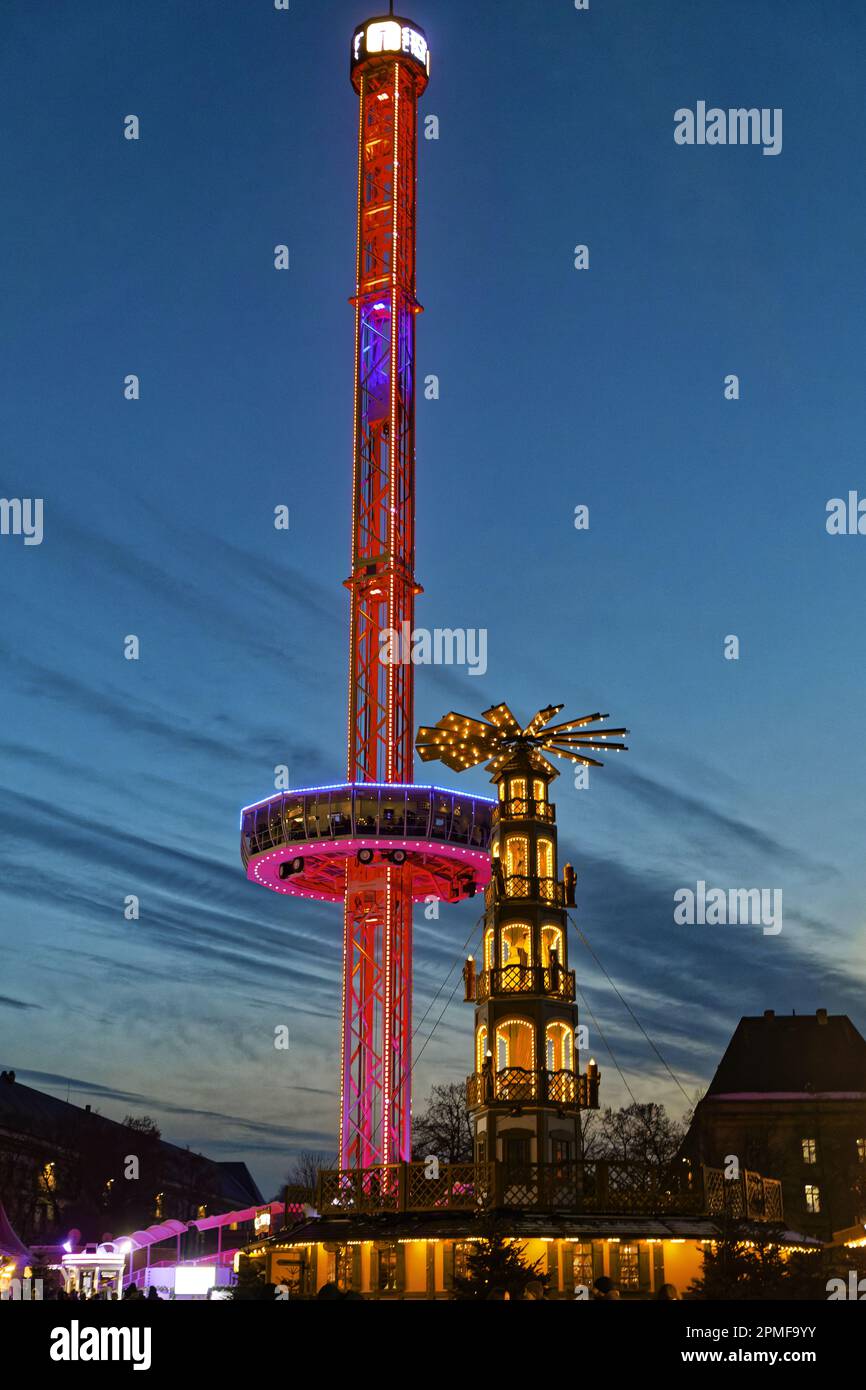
501 716
592 738
575 723
584 735
538 721
465 723
575 757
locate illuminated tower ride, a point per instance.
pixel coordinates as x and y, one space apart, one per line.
376 843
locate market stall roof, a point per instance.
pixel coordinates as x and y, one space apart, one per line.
10 1245
521 1224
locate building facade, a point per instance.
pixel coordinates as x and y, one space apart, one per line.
789 1098
64 1166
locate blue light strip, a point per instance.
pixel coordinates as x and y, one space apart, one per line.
368 786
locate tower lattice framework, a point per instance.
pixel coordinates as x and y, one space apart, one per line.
389 73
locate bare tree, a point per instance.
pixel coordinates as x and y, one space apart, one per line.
591 1142
443 1127
639 1133
303 1174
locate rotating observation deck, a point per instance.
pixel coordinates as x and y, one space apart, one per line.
302 842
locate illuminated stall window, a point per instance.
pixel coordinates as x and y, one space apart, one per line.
343 1267
629 1267
480 1047
539 790
517 789
583 1268
462 1250
388 1268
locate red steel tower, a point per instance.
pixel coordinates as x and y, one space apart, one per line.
377 842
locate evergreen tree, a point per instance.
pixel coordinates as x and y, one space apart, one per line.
745 1263
496 1265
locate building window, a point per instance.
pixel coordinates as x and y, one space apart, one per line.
861 1150
515 1045
560 1150
516 856
538 791
480 1047
810 1150
518 1150
545 868
516 944
813 1199
518 796
388 1269
551 940
462 1251
583 1263
629 1269
343 1267
488 949
560 1047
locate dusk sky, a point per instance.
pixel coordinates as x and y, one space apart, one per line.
558 387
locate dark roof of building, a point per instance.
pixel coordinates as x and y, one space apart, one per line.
529 1225
26 1111
792 1054
238 1185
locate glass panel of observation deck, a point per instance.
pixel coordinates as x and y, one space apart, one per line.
417 815
366 813
392 813
441 825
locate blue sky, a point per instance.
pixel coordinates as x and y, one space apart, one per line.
558 387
